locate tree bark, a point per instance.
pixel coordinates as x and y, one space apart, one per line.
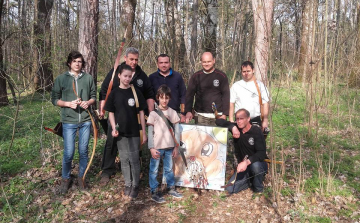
211 26
194 36
88 35
127 18
263 11
3 92
43 76
305 44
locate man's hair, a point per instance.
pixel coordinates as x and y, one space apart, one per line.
247 113
74 55
163 90
124 67
210 53
162 55
247 63
131 50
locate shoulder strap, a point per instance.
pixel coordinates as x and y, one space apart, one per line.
138 112
260 99
166 120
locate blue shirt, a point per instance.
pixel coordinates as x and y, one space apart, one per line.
176 84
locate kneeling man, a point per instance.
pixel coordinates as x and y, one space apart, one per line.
250 149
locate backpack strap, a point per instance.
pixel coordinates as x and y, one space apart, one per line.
260 100
137 111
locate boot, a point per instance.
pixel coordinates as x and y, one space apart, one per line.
65 184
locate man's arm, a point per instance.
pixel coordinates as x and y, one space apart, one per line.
189 98
150 103
225 96
103 91
265 121
231 112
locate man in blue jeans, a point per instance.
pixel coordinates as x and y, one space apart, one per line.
250 149
74 92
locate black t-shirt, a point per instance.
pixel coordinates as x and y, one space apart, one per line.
122 103
252 143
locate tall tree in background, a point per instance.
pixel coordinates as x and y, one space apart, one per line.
305 45
43 76
263 11
127 18
210 25
3 93
194 36
88 35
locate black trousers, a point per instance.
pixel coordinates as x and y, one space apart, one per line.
110 151
256 121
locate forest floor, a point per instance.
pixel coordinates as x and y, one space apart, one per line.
318 183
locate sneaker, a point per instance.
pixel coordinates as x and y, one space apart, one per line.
104 180
157 197
134 192
82 184
65 184
174 193
127 191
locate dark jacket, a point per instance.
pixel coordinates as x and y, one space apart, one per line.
175 82
140 80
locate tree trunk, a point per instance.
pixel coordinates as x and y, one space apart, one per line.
3 92
211 26
43 80
88 35
127 18
194 36
305 44
263 11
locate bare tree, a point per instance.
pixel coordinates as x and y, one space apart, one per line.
88 35
211 25
127 18
3 93
43 76
263 11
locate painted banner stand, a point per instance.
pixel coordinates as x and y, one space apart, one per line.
204 148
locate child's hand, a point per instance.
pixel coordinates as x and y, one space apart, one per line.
155 154
144 139
175 152
115 133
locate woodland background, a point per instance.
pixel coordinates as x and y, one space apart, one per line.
307 53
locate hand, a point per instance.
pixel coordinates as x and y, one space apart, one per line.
101 113
115 133
189 116
242 166
235 132
84 104
144 139
182 118
73 104
175 152
264 124
155 154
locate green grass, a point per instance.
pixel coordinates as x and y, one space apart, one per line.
335 141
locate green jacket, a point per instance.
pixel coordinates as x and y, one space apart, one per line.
63 89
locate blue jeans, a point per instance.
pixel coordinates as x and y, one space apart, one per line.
166 154
69 134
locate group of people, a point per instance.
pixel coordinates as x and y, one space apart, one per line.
134 95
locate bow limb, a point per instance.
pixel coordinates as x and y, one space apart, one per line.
94 146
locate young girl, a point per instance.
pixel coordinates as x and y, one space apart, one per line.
122 110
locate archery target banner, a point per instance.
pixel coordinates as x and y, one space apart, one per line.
204 150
